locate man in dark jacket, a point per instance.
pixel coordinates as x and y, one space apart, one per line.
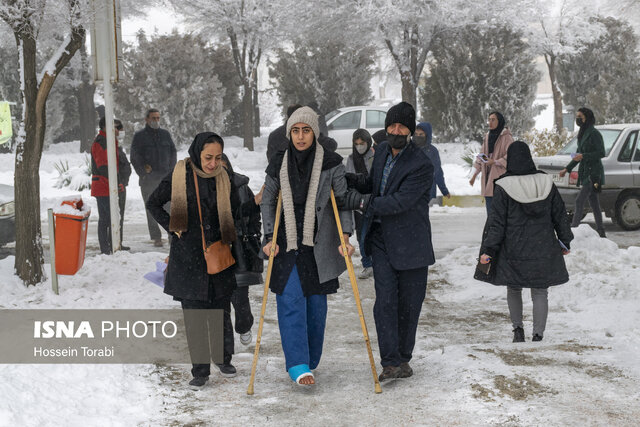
153 155
100 184
398 237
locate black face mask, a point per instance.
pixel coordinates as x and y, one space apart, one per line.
579 121
420 141
397 141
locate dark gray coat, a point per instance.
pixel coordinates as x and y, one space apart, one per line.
327 240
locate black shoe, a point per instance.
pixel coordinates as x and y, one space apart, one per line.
389 373
405 370
197 383
227 370
536 337
125 248
602 234
518 335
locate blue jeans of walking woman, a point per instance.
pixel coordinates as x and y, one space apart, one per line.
302 321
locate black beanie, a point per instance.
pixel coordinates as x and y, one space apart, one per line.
402 113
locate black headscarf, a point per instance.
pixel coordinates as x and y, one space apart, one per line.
198 144
358 159
589 121
519 160
228 162
495 133
300 166
207 186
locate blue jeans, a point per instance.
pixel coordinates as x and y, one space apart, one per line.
302 321
488 200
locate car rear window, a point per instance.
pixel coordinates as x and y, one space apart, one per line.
608 135
350 120
331 114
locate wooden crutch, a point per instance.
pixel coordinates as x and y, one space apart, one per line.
356 293
272 255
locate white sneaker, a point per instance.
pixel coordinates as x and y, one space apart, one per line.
366 273
245 339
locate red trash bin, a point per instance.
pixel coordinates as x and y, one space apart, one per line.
71 224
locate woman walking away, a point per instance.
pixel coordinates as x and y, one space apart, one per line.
359 162
526 235
422 138
492 161
590 170
308 257
187 278
246 250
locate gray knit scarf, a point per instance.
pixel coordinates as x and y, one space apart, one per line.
310 204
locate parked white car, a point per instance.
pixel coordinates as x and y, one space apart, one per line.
342 122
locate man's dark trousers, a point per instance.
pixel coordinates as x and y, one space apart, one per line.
104 221
147 187
399 298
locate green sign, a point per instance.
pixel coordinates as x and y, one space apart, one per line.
5 123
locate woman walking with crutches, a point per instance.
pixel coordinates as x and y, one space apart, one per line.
308 254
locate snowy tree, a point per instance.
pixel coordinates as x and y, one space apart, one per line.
177 74
405 28
475 71
250 27
555 29
329 73
606 75
26 18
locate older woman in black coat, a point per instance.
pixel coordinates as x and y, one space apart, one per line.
526 235
187 279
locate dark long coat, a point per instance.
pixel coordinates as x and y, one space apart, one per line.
187 276
523 230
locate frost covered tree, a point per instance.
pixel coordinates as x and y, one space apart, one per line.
250 27
404 28
474 71
177 74
329 73
606 75
27 18
555 29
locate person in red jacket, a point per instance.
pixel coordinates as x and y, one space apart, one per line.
100 184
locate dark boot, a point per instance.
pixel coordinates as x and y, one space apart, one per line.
601 233
389 373
536 337
518 335
227 369
405 370
197 383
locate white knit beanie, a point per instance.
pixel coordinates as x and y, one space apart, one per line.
307 116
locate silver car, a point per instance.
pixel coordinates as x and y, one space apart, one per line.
620 197
343 122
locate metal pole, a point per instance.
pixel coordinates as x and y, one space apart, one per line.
52 251
108 115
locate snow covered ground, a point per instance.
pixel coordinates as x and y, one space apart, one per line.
467 371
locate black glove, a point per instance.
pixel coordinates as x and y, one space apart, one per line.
355 201
352 179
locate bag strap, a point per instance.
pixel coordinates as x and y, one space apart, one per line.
195 181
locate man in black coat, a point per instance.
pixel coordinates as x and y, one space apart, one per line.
153 156
398 237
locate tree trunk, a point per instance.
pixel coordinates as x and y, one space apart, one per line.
408 88
86 108
247 122
256 107
557 95
29 256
